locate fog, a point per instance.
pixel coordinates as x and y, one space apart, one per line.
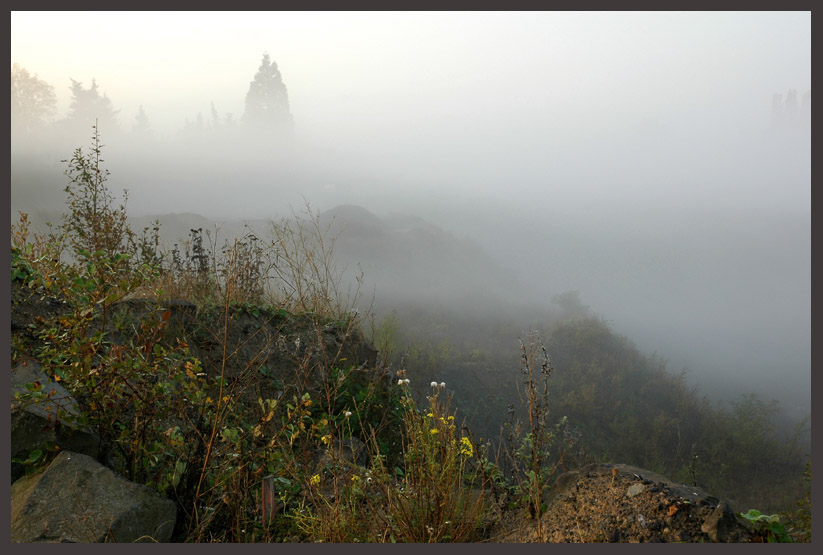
641 159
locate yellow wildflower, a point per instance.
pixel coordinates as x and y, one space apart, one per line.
466 447
315 480
434 431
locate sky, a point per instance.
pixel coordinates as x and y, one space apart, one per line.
359 69
630 155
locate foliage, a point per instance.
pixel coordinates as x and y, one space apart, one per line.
799 519
31 463
33 103
293 269
94 222
528 445
767 527
307 279
20 267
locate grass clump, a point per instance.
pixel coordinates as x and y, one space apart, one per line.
434 494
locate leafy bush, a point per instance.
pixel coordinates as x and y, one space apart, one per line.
767 527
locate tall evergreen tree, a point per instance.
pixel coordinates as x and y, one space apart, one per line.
267 102
88 106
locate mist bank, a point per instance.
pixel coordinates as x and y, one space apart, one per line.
691 234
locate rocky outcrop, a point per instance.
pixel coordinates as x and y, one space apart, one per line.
45 420
76 499
173 316
269 349
30 308
621 503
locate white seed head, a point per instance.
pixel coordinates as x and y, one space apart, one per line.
434 384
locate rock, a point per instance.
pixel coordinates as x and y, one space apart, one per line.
722 525
618 503
635 489
75 499
350 452
39 424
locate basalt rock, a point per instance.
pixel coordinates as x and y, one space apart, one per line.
75 499
44 417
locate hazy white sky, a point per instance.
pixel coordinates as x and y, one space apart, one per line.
364 71
464 103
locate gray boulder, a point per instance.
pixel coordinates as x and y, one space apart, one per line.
38 423
722 525
76 499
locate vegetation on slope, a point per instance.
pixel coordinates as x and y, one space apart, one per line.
250 413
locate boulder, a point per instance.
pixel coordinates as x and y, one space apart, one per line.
622 503
37 424
722 524
76 499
